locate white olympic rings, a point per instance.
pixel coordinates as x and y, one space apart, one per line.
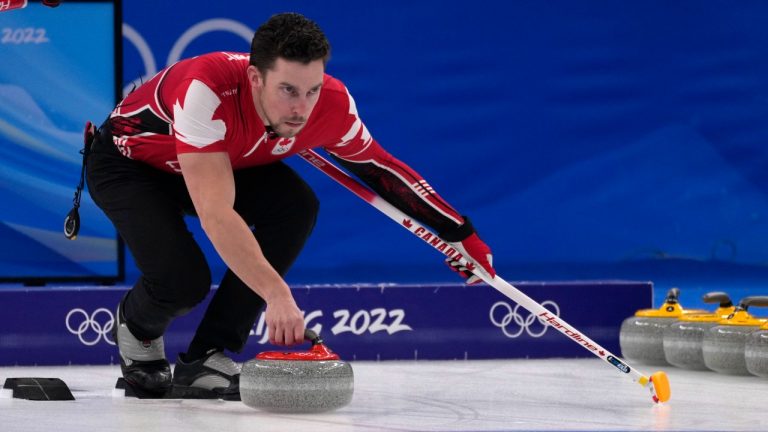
90 324
192 33
521 323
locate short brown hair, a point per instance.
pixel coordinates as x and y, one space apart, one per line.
291 36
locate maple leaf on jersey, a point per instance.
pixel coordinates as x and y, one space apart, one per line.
194 123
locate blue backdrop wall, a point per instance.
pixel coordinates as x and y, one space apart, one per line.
586 139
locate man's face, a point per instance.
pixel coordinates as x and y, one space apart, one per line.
286 94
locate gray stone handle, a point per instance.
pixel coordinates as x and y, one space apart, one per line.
718 297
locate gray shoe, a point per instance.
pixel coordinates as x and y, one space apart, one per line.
215 373
143 362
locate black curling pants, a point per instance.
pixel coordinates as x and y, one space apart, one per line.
147 206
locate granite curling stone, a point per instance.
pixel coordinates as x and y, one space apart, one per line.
642 336
756 352
724 345
683 339
297 382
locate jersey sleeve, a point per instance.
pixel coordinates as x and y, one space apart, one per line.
197 126
391 178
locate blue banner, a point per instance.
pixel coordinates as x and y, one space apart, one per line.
53 326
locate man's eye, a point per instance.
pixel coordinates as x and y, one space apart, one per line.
289 90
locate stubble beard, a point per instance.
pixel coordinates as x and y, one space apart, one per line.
277 126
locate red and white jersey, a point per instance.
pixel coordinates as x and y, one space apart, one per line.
204 104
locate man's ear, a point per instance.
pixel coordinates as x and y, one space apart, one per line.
255 77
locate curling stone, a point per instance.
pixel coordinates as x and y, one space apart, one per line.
297 382
756 352
641 336
724 345
682 339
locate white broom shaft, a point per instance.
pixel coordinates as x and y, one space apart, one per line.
425 234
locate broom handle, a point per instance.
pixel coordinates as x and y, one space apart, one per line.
497 282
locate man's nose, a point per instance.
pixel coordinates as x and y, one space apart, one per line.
300 106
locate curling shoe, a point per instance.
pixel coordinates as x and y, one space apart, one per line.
215 373
142 361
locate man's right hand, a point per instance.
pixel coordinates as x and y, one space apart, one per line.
211 184
285 322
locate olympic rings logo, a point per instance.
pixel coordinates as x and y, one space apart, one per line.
89 328
206 26
513 323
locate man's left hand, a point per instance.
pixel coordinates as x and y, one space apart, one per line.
473 248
